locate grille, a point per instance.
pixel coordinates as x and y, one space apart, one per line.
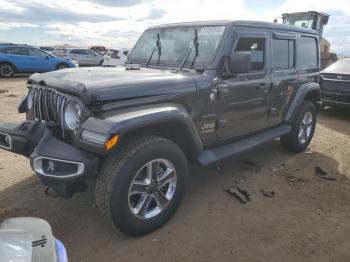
337 76
48 105
336 86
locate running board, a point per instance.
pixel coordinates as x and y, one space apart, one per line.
210 156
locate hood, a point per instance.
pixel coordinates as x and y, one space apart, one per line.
116 84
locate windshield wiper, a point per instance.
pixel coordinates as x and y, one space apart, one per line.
159 47
195 46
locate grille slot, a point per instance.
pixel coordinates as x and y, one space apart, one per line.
48 105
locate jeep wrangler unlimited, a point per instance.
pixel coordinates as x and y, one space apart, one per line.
201 91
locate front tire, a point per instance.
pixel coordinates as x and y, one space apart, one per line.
62 66
7 70
303 129
141 187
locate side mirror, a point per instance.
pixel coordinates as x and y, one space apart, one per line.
126 53
240 62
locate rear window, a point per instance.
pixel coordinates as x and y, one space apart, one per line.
308 52
16 50
283 54
341 66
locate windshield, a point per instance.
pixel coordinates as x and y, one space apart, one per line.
340 66
303 20
175 44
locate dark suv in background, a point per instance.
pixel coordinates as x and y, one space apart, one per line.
201 91
335 84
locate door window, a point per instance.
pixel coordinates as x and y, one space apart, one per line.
17 51
308 52
256 46
79 52
283 54
91 53
38 53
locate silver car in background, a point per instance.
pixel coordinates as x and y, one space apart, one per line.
84 57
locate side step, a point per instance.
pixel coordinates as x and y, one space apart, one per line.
210 156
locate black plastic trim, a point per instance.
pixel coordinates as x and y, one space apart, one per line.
211 156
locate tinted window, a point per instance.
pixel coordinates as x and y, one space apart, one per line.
91 53
36 52
46 48
17 51
308 52
283 54
2 50
79 52
256 46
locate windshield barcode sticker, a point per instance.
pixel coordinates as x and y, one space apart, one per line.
211 30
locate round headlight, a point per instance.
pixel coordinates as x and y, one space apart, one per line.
72 115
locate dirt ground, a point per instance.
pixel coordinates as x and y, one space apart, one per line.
307 220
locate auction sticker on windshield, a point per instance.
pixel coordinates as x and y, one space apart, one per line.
211 30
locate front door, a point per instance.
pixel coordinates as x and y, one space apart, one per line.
40 61
243 99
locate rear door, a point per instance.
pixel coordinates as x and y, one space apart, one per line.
243 103
19 56
78 55
284 74
92 58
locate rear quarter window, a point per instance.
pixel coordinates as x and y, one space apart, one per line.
308 50
283 54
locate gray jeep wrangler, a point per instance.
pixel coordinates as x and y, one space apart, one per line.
201 91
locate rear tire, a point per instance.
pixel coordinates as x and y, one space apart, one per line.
7 70
303 129
133 203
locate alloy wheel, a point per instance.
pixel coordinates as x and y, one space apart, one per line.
152 188
6 70
305 128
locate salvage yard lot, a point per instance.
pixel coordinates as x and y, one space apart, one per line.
308 219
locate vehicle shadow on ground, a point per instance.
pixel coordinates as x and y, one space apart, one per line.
206 213
337 119
18 76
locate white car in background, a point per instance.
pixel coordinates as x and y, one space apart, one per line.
115 57
29 239
84 57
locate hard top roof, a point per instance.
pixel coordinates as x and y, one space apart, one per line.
253 24
12 45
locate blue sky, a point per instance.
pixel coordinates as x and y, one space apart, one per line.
118 23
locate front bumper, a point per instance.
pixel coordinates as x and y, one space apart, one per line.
53 160
335 98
